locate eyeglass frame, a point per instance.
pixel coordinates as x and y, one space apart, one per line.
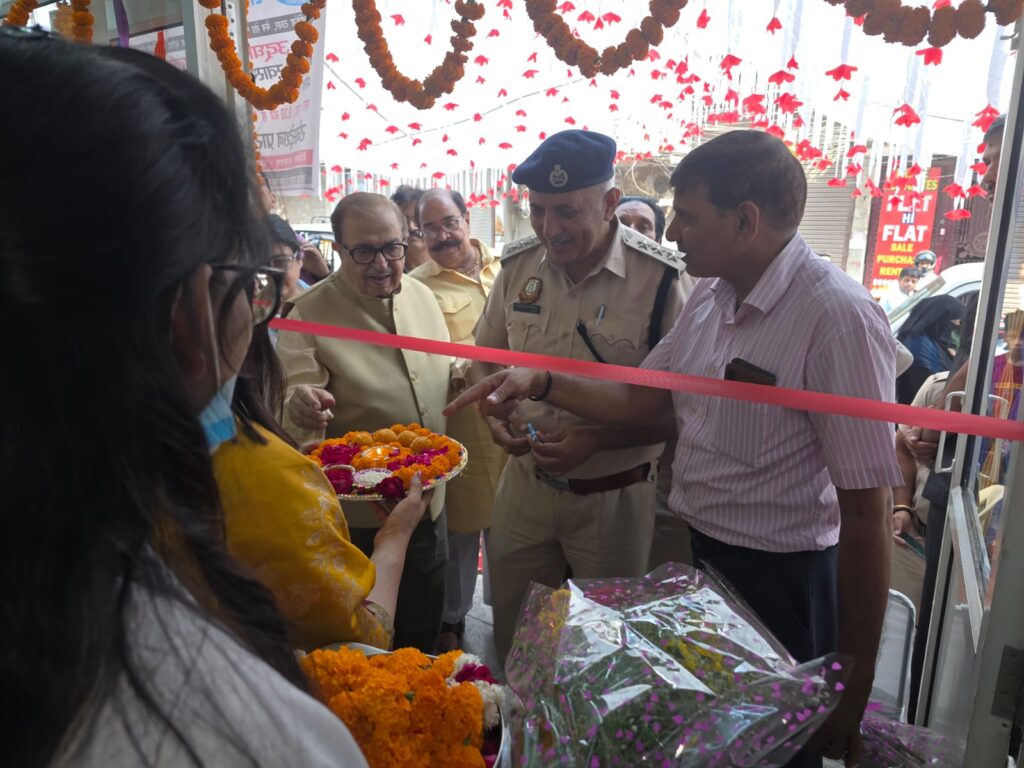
434 232
247 274
377 250
295 255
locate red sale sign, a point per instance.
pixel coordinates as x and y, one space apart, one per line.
905 227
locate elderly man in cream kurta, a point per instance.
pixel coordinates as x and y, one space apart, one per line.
588 288
460 273
335 386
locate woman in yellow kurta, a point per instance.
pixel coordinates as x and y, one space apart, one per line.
285 526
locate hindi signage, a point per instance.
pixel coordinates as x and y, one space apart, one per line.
288 137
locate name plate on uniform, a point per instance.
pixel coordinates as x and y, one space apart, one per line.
533 309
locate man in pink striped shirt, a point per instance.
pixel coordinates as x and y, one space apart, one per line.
765 489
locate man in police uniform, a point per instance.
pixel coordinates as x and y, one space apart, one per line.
583 287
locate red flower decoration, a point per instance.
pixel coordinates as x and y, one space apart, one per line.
842 72
931 55
986 117
728 63
907 116
391 488
782 76
703 19
774 25
958 214
341 480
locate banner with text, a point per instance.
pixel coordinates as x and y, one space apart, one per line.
904 230
288 138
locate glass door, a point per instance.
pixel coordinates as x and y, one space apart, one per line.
974 664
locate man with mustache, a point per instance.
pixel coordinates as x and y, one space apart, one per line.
588 288
335 386
461 273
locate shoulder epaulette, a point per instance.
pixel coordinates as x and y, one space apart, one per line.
645 245
521 245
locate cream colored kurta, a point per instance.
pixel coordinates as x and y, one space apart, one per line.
374 387
470 497
624 284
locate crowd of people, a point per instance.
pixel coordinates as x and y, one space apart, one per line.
170 545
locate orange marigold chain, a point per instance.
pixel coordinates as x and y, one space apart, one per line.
421 94
898 23
286 89
576 53
81 19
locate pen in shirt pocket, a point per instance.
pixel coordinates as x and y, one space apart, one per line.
600 315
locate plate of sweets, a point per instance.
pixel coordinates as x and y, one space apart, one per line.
364 466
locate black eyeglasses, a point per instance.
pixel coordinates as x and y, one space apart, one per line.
365 254
263 287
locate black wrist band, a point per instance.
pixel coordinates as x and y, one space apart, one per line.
547 389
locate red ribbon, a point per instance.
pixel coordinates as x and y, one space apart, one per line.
796 399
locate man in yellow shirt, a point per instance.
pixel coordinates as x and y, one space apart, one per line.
335 386
461 273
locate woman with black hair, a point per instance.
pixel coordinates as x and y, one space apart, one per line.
930 333
129 637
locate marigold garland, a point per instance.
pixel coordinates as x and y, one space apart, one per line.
442 80
19 13
286 89
400 708
898 23
576 53
75 20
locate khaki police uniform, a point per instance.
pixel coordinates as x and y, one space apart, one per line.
539 525
375 387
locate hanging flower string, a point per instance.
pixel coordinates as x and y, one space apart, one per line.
898 23
286 89
18 14
421 94
576 53
80 26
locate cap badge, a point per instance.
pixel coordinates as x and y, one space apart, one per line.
558 177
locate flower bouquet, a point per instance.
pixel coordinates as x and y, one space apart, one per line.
407 710
670 669
889 744
372 467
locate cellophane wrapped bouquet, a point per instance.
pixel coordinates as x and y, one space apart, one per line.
886 743
670 669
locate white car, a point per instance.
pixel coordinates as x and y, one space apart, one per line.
961 281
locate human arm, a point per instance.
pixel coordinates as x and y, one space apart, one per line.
391 543
903 520
307 402
565 449
863 587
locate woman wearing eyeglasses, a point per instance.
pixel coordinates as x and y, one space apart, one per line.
130 637
335 386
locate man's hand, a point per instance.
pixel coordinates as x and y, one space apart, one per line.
924 451
510 385
560 452
309 407
839 736
313 261
502 435
903 522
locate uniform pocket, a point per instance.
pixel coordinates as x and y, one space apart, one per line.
525 327
618 340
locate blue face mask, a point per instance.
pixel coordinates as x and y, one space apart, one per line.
217 418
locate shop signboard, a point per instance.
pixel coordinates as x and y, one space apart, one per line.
905 227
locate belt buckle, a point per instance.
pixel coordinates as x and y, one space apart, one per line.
555 482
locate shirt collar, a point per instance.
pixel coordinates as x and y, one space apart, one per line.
432 269
773 283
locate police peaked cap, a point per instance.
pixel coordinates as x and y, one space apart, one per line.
567 161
